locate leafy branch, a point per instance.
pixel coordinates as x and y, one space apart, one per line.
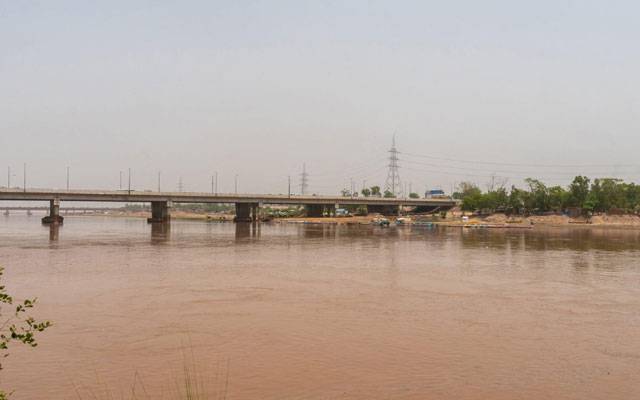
19 326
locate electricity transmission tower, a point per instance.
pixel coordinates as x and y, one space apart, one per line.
304 180
393 177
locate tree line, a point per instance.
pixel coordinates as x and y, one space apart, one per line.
599 195
374 191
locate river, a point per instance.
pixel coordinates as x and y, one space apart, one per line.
288 311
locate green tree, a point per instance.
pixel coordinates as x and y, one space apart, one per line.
388 194
632 195
558 198
366 192
493 200
18 326
578 191
375 191
538 198
516 200
414 196
608 193
471 196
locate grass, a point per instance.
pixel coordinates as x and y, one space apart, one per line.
189 384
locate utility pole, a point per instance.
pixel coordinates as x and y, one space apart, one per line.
129 181
180 184
352 187
212 189
9 177
236 184
67 179
120 187
289 190
304 183
410 189
216 186
364 184
159 173
24 176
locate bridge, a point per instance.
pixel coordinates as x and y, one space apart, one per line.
63 210
248 206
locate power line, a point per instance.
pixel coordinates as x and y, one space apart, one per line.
476 169
519 164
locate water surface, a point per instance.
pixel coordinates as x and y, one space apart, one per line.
280 311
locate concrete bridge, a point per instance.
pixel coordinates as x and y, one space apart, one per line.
248 206
63 210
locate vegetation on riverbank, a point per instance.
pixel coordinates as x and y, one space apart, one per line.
599 195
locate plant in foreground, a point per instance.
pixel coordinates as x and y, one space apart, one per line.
18 326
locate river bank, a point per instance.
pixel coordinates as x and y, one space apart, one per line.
453 219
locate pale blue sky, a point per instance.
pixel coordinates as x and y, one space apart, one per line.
257 88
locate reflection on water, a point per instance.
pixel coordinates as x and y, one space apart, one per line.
160 233
324 311
54 232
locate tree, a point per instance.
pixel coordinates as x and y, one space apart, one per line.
366 192
375 191
388 194
607 193
18 327
632 195
538 198
470 194
493 200
558 198
414 196
516 200
345 193
578 191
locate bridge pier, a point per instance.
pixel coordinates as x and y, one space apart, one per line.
254 213
160 212
54 216
243 212
383 209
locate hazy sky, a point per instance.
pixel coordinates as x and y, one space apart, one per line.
257 88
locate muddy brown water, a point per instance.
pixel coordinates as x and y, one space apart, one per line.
281 311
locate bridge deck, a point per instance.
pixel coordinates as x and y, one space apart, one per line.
124 196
